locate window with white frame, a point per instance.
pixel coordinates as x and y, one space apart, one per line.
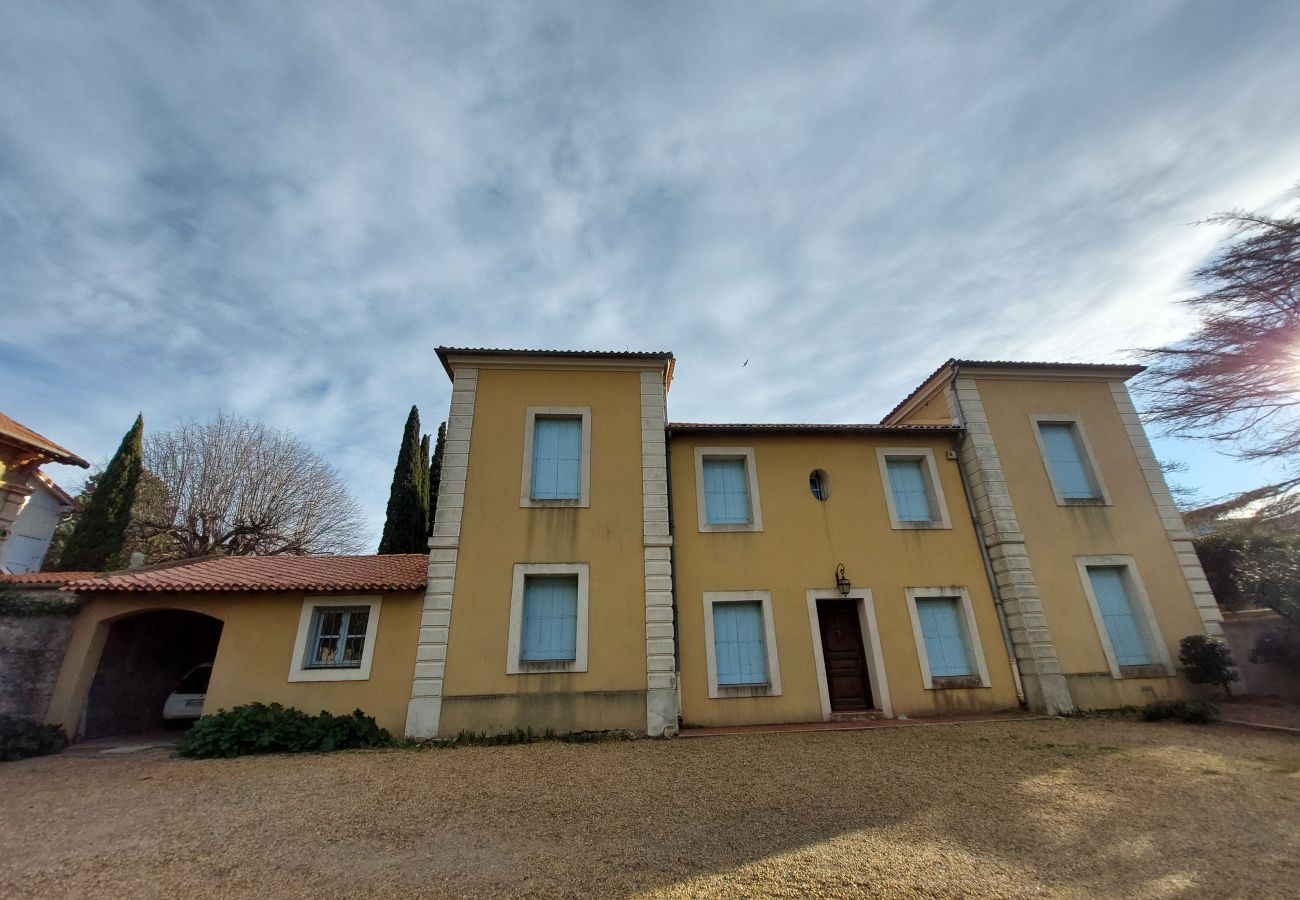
548 618
947 639
1126 623
726 482
1068 460
913 493
557 457
336 639
740 644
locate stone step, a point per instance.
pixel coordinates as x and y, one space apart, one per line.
857 715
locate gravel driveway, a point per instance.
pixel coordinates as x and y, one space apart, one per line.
1060 808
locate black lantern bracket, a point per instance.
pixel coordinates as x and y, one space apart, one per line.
842 583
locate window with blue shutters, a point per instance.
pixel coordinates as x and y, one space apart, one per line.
907 482
1065 459
726 492
1115 605
739 649
946 650
557 458
550 618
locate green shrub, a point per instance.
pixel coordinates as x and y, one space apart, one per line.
272 728
21 738
1193 712
1207 660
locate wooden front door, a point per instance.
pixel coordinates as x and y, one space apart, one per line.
846 663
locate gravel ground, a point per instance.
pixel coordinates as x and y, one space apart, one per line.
1057 808
1264 711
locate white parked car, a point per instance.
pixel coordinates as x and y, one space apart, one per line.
186 698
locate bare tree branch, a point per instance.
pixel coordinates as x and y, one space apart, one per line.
240 488
1236 379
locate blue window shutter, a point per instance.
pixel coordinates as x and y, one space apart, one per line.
550 620
907 481
726 492
1061 446
1126 635
557 459
945 641
738 643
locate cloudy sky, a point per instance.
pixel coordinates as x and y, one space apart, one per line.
280 209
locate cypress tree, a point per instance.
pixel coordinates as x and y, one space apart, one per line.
423 463
404 526
96 542
435 472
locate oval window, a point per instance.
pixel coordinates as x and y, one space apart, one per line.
820 484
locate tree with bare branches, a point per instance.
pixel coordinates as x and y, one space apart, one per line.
1236 379
238 487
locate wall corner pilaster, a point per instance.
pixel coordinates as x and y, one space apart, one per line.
424 711
1176 530
660 626
1015 587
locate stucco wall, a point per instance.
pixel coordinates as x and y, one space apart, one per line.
496 533
1055 535
32 530
802 541
255 654
1241 630
31 651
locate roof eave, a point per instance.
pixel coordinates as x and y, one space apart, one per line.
1009 369
481 356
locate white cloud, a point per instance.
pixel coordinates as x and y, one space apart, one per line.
283 210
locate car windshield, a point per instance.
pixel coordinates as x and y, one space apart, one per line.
196 681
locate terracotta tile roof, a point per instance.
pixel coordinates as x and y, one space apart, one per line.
20 434
1128 371
44 579
444 352
719 427
392 572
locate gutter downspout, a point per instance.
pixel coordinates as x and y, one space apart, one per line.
984 553
672 570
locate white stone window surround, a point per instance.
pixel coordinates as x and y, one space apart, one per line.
755 522
870 643
773 686
1089 458
1137 594
531 415
970 630
938 504
516 666
300 672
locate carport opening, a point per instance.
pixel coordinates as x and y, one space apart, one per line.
144 657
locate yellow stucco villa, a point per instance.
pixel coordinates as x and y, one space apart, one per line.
1003 539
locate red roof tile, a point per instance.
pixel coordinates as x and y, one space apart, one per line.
47 579
20 434
391 572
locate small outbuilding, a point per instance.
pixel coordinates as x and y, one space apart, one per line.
333 633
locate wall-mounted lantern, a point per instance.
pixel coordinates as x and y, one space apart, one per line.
842 583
